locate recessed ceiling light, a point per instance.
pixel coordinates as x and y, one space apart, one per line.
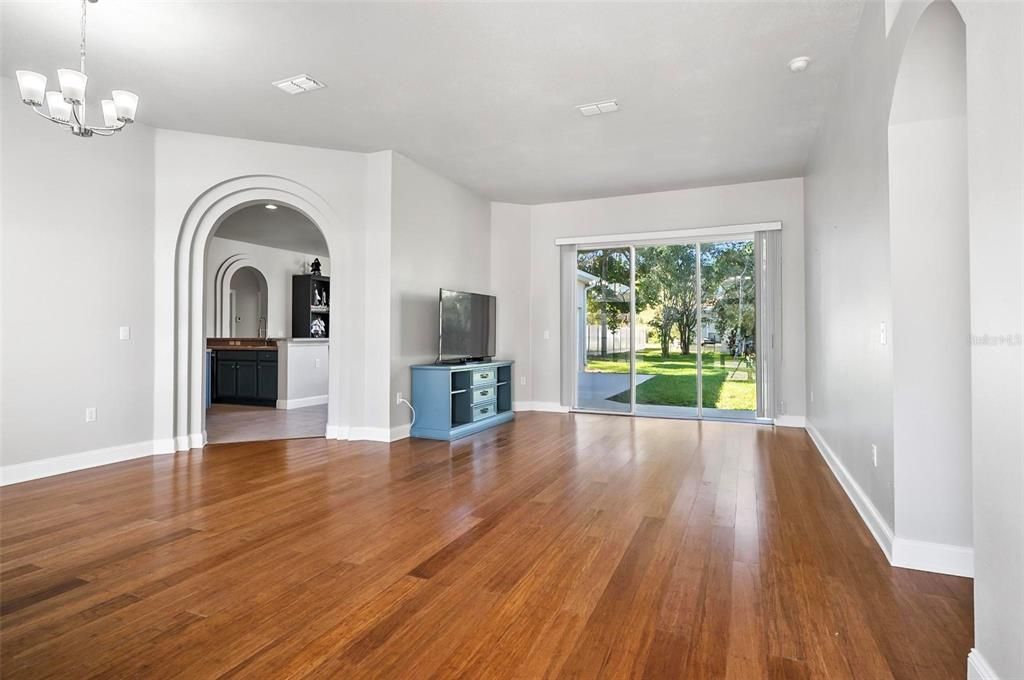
799 64
299 84
596 108
270 206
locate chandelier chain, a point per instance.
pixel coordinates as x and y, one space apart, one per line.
83 36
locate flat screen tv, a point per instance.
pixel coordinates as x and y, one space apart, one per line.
467 326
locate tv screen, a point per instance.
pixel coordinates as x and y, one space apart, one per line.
467 325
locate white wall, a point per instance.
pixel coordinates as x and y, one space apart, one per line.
186 165
510 280
77 265
302 370
849 370
931 285
778 200
277 266
995 151
849 293
440 238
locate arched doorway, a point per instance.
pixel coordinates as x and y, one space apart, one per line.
206 213
247 303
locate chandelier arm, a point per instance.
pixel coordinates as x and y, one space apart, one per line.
51 118
104 128
104 132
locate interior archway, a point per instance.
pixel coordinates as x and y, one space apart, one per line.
928 232
200 222
247 302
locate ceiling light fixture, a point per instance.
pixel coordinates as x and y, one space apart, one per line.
67 107
799 64
270 206
299 84
598 107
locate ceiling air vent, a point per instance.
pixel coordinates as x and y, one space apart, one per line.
299 84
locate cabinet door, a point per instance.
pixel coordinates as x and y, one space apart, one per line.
226 386
246 382
268 380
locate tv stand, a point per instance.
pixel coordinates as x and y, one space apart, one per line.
457 400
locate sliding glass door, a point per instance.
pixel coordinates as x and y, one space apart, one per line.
668 330
667 348
728 345
603 322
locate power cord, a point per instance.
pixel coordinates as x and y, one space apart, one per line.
411 408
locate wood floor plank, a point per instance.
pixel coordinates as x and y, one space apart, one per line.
553 546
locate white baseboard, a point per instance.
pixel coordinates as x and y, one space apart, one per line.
181 443
302 402
161 446
369 434
791 421
58 465
978 668
940 558
336 432
876 524
907 553
400 432
547 406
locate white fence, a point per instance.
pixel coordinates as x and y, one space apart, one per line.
616 341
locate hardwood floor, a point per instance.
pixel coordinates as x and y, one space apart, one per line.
555 546
228 423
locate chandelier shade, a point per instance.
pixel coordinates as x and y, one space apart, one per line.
32 86
109 112
125 103
72 85
60 108
67 107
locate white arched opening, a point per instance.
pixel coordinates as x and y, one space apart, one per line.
246 301
928 234
200 222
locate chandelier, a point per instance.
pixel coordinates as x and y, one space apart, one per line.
67 107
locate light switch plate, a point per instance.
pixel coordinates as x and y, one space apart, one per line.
125 332
90 414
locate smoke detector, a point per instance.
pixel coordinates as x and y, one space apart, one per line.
799 64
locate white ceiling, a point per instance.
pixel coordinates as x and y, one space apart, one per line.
282 228
484 93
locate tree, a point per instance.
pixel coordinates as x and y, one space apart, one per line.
727 271
608 298
665 282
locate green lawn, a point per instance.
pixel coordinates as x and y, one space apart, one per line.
675 379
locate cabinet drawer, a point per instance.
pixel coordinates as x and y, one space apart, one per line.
268 356
484 394
482 411
484 376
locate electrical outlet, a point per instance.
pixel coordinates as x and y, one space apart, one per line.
874 454
398 398
522 380
316 363
90 414
547 335
125 332
812 396
883 335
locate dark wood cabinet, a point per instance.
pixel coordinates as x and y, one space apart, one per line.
245 377
267 380
311 299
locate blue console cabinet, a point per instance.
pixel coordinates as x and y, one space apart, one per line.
456 400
